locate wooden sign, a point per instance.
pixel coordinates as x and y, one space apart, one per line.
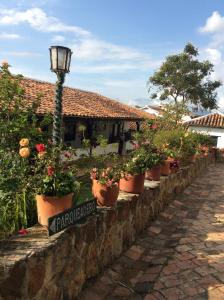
71 216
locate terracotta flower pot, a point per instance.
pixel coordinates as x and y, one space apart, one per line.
153 173
132 183
48 206
165 167
192 158
205 150
106 196
214 153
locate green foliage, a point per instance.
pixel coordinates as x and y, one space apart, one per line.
172 115
89 144
169 141
60 184
204 139
52 175
18 119
183 78
189 145
101 141
137 163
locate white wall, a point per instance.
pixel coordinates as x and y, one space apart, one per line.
211 131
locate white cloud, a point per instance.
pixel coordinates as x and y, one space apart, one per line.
38 20
21 54
115 67
124 83
213 55
92 55
214 24
97 49
103 68
214 51
58 38
112 57
9 36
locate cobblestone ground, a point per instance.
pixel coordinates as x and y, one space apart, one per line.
180 256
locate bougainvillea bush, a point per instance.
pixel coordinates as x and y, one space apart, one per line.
17 120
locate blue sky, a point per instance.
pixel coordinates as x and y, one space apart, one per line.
116 44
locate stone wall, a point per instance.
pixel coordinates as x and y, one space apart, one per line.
35 266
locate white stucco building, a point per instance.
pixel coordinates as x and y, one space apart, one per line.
211 124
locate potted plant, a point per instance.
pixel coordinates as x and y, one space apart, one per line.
170 142
167 164
53 181
204 143
153 170
133 173
105 185
189 147
174 166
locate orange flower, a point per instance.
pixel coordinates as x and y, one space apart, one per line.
24 142
24 152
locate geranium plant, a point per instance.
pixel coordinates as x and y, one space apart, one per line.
137 163
108 176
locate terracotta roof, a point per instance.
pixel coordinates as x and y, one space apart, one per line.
80 103
212 120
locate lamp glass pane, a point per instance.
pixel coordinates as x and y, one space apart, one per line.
54 58
62 59
68 61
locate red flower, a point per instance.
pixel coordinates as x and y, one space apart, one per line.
154 126
67 154
40 148
50 171
23 231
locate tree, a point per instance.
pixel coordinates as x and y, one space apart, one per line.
184 79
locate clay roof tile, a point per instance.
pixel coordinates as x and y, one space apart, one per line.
80 103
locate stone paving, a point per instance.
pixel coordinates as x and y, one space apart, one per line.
180 256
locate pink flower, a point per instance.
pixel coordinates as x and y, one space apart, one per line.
154 126
40 148
50 171
23 231
136 146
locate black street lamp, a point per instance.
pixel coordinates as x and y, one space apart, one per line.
60 64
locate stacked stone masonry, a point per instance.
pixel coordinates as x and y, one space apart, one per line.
36 266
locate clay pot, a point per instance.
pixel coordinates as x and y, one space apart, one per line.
106 196
192 158
49 206
205 150
165 167
132 183
214 153
153 173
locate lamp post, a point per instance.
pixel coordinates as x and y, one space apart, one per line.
60 64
